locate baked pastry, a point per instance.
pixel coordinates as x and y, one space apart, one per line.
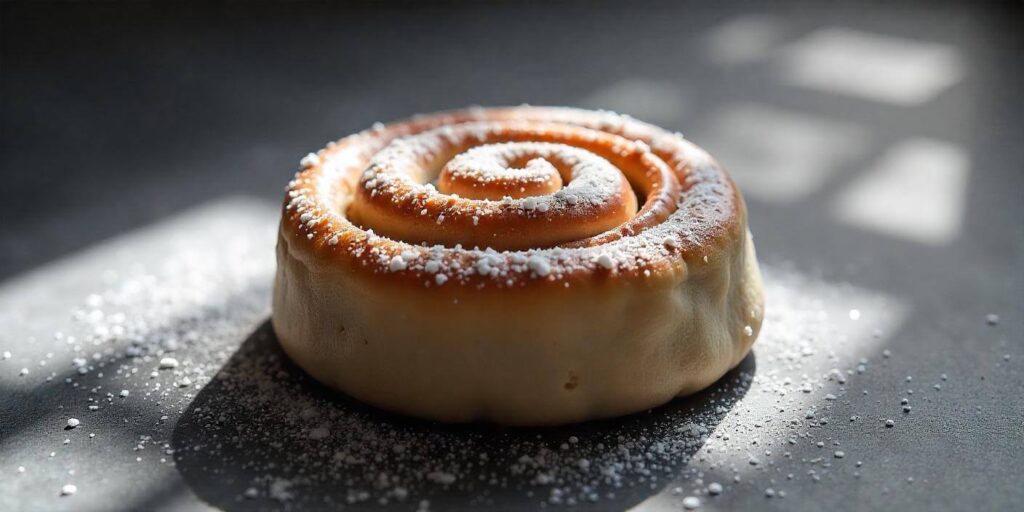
525 266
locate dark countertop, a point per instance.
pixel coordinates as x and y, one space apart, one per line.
144 150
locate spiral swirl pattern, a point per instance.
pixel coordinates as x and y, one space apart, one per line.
503 197
529 266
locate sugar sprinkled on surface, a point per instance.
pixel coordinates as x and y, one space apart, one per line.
244 410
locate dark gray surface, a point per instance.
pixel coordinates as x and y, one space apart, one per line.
117 120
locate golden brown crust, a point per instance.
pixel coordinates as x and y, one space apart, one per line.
484 302
691 203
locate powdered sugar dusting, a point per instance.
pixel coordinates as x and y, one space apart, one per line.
253 430
392 168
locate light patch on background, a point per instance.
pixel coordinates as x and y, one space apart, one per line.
778 155
653 101
198 238
208 267
744 39
916 192
881 68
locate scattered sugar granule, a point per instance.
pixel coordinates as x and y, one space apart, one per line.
68 489
23 372
714 488
691 502
397 264
839 454
992 319
279 490
168 363
251 493
125 393
73 422
7 354
309 160
605 261
539 265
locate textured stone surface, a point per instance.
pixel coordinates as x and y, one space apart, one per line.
131 135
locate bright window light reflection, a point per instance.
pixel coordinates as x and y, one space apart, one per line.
191 246
880 68
777 155
208 268
744 39
650 100
915 192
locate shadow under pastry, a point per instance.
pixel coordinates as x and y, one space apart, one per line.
263 435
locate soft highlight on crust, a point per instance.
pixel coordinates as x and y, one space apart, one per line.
465 309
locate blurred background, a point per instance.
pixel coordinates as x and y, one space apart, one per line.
878 146
114 115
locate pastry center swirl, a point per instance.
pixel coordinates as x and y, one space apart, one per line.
516 170
511 186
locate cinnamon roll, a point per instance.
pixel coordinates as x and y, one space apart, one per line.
525 266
